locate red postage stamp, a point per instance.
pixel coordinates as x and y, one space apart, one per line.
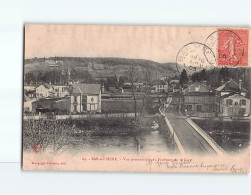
233 47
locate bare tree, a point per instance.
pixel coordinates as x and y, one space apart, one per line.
147 79
132 75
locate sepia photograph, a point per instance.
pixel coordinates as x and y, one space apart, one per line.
125 97
136 98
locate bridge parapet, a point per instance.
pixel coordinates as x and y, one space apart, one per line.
209 140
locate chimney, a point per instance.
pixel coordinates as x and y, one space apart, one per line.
240 84
103 88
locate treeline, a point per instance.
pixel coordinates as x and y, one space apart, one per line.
216 76
63 76
59 76
105 61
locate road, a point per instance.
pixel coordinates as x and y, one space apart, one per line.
189 138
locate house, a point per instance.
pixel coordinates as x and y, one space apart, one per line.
137 85
234 105
27 103
30 91
113 89
198 97
85 98
44 90
176 88
174 85
227 88
159 86
61 90
165 78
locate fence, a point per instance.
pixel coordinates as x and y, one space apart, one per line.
83 116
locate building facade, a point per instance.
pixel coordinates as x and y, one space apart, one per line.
198 97
234 105
44 90
229 87
85 98
61 90
159 86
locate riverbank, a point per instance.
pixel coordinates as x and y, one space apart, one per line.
122 133
222 119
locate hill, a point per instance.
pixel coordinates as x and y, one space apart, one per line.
100 67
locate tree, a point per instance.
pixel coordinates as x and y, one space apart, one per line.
183 78
29 77
223 74
199 76
121 81
112 81
203 75
147 75
195 77
146 79
132 76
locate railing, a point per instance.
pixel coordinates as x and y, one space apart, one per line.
209 140
175 137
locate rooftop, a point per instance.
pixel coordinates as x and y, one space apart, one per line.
198 88
158 82
232 94
86 88
230 85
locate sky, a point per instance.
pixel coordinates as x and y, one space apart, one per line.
157 43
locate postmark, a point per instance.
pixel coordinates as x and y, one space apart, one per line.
230 47
192 58
37 148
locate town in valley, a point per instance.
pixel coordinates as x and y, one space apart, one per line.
122 103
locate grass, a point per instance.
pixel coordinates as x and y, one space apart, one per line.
60 134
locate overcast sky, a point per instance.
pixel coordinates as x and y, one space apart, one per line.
157 43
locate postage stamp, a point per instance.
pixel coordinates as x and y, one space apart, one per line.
230 46
233 47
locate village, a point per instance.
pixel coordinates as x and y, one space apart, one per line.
197 99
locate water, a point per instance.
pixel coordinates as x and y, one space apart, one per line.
126 143
231 136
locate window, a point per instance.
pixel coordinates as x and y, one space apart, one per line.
242 111
230 111
84 103
243 102
199 107
75 98
75 108
236 103
189 107
229 102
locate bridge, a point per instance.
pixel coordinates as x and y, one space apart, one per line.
188 136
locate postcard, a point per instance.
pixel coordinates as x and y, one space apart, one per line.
136 98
